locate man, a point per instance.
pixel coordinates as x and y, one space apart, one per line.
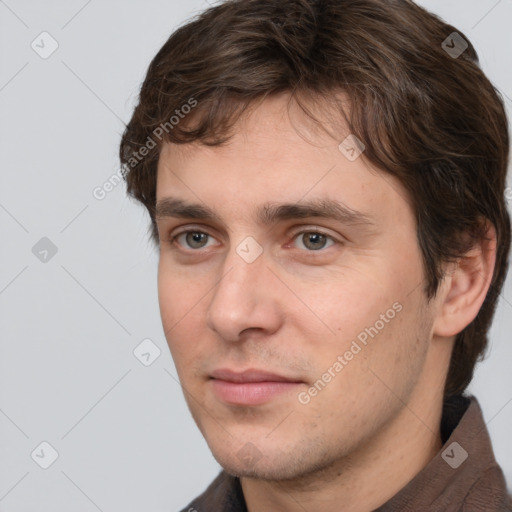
325 181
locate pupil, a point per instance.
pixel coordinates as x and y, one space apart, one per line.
195 239
314 240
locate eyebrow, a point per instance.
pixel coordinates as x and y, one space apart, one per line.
269 213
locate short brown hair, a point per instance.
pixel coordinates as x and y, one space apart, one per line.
431 119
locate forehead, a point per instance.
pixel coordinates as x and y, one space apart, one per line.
276 154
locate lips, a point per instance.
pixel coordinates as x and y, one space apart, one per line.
250 376
250 387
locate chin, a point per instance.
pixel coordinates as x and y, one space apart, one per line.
263 469
271 462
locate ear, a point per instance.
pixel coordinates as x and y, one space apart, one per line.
465 286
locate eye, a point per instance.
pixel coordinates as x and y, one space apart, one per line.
313 240
193 239
308 240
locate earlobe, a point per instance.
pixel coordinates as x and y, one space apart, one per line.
465 286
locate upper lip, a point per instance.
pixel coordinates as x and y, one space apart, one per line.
250 375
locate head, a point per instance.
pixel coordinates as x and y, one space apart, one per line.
297 253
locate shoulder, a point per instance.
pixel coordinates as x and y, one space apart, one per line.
489 492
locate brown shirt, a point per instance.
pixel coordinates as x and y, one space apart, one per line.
462 477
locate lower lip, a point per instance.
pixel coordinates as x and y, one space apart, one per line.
250 393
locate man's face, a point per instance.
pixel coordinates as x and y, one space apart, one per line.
334 305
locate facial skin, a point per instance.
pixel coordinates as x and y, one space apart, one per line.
298 307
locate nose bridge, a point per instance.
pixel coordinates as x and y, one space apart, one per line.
242 298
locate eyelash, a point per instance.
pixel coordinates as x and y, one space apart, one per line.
173 238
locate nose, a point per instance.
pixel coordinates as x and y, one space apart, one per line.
244 299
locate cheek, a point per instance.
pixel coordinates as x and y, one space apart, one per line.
370 326
179 292
182 309
367 380
344 304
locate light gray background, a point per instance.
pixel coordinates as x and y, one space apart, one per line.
68 376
